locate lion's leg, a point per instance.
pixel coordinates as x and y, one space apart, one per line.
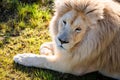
48 61
46 48
43 61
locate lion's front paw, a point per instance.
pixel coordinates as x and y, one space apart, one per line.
46 49
25 59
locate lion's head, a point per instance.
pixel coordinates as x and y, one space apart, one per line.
75 20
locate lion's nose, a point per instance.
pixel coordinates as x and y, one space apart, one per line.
63 41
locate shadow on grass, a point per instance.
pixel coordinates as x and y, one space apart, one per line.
44 74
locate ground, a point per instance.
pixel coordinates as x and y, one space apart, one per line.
23 28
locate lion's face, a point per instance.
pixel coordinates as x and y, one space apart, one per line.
71 29
74 21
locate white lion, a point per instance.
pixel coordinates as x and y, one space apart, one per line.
85 38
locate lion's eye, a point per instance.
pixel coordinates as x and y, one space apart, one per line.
64 22
78 29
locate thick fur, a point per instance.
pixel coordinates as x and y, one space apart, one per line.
85 38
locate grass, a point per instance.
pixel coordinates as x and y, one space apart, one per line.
23 28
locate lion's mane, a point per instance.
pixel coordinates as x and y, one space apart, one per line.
101 46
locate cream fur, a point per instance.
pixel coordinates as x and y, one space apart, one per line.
91 30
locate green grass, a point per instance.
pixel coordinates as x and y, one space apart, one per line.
23 28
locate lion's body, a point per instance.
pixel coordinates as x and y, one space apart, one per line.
86 38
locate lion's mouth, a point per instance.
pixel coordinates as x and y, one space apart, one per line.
61 46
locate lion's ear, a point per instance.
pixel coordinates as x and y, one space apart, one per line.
95 12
